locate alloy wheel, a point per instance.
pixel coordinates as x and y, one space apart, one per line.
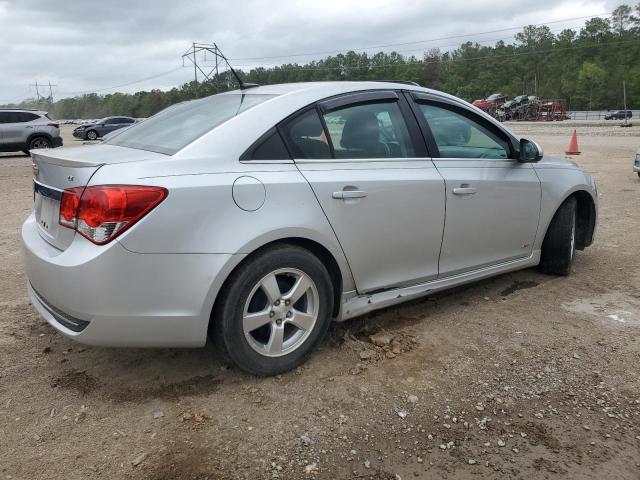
39 143
280 312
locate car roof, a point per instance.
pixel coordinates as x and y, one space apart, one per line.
347 86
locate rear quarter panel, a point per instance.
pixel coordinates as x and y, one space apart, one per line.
201 216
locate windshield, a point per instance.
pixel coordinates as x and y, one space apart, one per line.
179 125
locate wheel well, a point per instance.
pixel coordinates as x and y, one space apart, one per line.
585 219
316 249
36 135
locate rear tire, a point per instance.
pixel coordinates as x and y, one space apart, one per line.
39 142
559 246
274 310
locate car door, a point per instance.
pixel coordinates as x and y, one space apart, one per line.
367 164
109 125
492 200
17 129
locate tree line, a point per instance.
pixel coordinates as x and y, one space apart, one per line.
586 68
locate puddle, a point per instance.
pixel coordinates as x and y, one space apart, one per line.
614 308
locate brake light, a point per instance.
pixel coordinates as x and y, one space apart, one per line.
55 125
102 212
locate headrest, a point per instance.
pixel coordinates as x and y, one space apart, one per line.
361 130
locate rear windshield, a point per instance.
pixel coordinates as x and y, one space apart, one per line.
179 125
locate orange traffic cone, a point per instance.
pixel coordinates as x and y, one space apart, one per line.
573 145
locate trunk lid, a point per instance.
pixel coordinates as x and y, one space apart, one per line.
58 169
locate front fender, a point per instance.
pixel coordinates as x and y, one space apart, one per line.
558 184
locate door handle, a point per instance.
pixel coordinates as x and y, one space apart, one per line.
346 194
464 190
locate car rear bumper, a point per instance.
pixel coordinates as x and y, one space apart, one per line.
110 296
57 142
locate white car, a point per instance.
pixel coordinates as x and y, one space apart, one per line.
258 216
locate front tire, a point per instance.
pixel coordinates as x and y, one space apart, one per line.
274 310
559 246
92 135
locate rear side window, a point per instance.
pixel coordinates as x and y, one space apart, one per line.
179 125
373 130
305 136
269 147
5 117
27 117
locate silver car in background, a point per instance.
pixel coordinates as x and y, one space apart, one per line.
24 130
258 216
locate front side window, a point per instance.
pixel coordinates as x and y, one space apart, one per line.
458 136
373 130
175 127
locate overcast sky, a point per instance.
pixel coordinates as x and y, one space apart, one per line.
93 45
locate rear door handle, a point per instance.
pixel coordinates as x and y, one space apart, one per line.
345 194
464 191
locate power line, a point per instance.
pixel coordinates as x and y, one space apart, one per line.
426 62
151 77
328 52
443 47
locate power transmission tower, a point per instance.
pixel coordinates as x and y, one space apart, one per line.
201 49
39 97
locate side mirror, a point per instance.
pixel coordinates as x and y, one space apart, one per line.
530 151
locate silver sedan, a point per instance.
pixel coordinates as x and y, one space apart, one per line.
258 216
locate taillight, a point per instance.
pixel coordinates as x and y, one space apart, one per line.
102 212
55 125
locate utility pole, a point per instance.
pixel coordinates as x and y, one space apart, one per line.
624 98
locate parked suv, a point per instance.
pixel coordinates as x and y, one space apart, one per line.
26 130
95 130
618 115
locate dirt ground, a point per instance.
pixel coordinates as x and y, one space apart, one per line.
521 376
